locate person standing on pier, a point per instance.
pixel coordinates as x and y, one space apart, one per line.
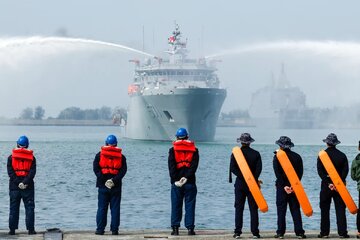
21 168
109 167
284 192
328 190
242 191
355 175
183 161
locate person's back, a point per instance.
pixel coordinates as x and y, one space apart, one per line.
328 190
183 160
355 169
241 189
112 174
296 162
355 175
284 192
340 161
177 172
253 159
110 167
21 167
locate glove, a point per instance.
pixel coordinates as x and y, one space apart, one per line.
181 182
109 184
22 186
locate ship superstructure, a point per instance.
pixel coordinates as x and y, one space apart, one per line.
176 92
280 105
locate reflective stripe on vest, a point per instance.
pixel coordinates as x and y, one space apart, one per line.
110 160
22 159
184 151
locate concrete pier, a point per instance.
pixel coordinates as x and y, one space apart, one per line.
155 234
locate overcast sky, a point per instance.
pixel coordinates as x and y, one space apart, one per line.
318 41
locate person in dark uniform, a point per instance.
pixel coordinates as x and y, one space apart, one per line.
242 191
21 168
183 161
284 192
355 175
328 190
109 167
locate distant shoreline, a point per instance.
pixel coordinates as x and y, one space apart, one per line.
69 122
55 122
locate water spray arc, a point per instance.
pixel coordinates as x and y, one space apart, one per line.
324 48
60 69
14 43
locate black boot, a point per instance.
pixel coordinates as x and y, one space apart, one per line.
191 231
175 231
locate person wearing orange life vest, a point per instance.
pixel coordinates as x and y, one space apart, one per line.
109 167
21 167
183 161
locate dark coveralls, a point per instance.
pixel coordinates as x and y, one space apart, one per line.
355 175
341 165
27 195
188 191
242 191
108 196
282 198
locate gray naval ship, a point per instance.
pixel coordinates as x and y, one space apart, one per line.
171 93
280 105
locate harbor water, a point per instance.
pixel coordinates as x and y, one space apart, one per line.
66 196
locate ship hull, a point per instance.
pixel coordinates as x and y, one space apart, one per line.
157 115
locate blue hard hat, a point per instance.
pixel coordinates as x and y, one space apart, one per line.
23 141
181 133
111 140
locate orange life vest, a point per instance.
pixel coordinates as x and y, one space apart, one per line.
184 151
22 160
110 159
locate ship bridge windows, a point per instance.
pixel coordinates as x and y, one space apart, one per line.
171 72
177 75
169 117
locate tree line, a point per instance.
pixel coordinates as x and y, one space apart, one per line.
76 113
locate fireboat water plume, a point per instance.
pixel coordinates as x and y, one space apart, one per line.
336 49
323 70
343 57
20 48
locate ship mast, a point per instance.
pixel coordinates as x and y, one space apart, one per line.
283 82
177 48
